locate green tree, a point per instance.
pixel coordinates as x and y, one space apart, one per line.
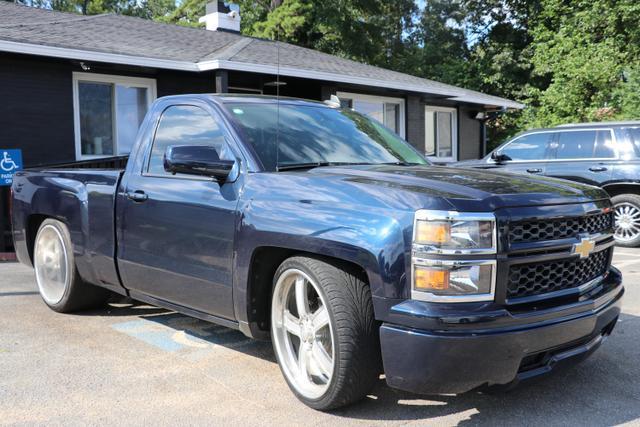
584 50
371 31
443 52
149 9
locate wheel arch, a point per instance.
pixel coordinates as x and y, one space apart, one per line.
619 188
265 260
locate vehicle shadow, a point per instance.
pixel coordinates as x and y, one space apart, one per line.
173 331
603 390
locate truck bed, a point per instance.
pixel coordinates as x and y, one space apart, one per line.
84 199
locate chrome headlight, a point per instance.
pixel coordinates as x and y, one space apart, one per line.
445 233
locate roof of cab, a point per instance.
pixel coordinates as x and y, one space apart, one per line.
224 98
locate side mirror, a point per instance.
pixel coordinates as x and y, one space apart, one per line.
200 160
499 158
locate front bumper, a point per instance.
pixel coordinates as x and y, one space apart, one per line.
473 353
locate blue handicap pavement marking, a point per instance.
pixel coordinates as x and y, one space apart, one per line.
177 333
10 163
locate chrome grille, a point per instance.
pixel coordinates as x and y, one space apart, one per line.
553 229
543 277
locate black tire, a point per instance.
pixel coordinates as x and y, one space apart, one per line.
78 295
357 363
619 202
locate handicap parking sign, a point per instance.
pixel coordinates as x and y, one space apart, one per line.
10 163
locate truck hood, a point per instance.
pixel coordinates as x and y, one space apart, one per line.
463 189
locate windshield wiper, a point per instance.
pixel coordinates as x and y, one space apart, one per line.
310 165
400 164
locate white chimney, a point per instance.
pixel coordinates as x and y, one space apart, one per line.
222 15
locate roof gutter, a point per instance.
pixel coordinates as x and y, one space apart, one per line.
88 55
116 58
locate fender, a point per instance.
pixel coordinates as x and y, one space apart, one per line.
379 241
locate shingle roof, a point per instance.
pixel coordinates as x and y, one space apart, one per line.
125 39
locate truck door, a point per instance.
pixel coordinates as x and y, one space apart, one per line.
176 231
583 155
528 153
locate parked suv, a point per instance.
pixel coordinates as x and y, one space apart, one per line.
602 154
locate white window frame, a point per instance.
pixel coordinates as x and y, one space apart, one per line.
454 133
383 99
149 84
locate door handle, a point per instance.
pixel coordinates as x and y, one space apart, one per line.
136 196
597 169
534 170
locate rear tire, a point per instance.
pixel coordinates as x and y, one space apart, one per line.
59 283
627 217
343 354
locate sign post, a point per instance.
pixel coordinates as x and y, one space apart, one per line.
10 163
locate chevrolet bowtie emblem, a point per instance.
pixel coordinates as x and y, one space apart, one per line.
584 248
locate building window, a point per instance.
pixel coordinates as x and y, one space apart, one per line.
441 133
108 110
388 111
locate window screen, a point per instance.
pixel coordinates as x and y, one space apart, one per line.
439 132
185 125
95 101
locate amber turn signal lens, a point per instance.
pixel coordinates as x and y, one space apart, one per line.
431 280
433 232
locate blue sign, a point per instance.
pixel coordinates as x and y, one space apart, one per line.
10 163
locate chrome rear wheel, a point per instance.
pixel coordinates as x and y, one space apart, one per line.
302 333
59 282
51 264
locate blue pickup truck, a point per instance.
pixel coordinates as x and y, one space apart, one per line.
318 228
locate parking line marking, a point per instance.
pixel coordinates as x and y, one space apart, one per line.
174 332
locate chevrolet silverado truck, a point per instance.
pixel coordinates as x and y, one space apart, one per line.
321 230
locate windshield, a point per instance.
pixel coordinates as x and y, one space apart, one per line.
319 135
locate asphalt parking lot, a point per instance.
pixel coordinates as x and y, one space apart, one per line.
133 365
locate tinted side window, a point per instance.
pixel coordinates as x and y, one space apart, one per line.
576 144
528 147
634 136
185 125
604 148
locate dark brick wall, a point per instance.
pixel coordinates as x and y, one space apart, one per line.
179 82
470 145
415 122
36 109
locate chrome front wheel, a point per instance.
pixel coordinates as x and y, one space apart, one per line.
627 222
302 333
51 264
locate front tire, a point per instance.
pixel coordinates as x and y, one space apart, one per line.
323 331
59 283
627 220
